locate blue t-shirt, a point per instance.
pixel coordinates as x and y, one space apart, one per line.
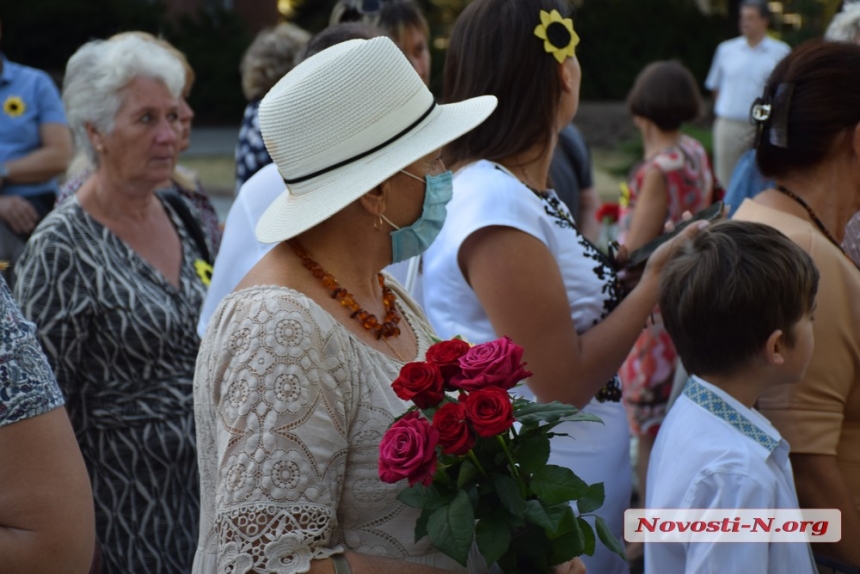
28 99
746 182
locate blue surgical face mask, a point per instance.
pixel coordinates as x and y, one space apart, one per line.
414 239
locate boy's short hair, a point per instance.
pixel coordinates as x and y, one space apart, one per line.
666 93
726 291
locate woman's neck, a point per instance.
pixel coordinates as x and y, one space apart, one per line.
531 167
821 189
354 258
115 198
655 140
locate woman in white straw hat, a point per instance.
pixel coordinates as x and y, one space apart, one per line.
292 389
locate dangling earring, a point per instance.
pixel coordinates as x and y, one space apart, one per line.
377 225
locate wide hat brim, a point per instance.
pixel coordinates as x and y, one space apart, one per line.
289 215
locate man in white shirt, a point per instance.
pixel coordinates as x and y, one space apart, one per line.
738 334
737 77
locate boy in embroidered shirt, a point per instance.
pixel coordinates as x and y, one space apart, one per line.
738 303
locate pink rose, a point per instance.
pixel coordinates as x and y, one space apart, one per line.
408 450
447 355
421 383
489 410
455 435
494 364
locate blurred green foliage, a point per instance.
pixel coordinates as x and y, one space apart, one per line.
619 37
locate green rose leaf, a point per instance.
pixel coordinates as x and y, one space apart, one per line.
536 514
494 538
569 544
555 484
509 494
588 535
467 473
592 499
420 496
533 453
451 528
534 413
608 538
421 524
557 515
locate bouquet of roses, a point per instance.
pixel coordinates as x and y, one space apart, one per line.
476 475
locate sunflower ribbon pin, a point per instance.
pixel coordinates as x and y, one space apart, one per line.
14 106
204 271
557 34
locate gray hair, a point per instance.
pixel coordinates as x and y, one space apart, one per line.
98 71
845 26
269 57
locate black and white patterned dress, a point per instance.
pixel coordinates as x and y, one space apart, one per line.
123 343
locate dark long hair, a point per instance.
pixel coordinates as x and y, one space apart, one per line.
823 79
493 51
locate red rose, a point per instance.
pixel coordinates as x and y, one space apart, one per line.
608 211
408 450
421 383
489 410
455 435
494 364
447 355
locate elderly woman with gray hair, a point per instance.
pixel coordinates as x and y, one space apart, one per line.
112 280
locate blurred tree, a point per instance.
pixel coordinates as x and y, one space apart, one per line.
620 37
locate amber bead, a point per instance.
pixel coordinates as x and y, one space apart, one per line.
368 320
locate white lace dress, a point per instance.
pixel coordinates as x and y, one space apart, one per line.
290 410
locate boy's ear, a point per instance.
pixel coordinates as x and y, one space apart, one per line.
774 349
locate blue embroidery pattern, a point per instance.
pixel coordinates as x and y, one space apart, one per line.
712 403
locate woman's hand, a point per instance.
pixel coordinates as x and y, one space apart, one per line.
661 256
575 566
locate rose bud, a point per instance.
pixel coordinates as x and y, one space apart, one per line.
455 435
446 354
421 383
408 450
494 364
489 410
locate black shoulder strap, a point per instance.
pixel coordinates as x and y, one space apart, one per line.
192 226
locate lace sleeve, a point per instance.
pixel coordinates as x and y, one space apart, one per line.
282 394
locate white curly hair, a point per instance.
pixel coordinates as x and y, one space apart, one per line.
845 26
99 70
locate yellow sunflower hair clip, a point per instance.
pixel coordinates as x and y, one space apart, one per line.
557 34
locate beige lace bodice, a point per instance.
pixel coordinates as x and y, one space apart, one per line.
290 408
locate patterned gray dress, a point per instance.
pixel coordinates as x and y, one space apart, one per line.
123 342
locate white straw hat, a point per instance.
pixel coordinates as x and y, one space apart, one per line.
345 120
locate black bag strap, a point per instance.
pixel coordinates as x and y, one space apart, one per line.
192 226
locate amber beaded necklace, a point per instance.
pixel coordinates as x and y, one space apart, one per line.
388 328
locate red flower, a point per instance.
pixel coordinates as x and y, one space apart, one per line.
489 410
421 383
608 211
408 450
494 364
447 355
455 436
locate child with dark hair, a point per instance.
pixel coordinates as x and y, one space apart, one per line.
808 142
738 301
674 176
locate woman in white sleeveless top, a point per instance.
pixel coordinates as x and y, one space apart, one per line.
510 260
